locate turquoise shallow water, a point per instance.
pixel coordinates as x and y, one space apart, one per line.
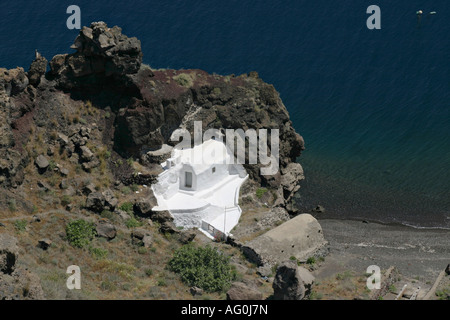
373 106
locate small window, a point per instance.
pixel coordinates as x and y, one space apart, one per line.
214 170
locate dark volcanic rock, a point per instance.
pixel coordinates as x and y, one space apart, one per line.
196 291
95 202
13 81
106 230
187 236
141 237
110 200
168 227
99 202
102 52
44 244
288 284
37 70
161 216
143 207
9 253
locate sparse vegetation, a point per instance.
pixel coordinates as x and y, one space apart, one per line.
133 223
126 190
80 233
443 294
260 192
184 80
127 207
66 200
20 225
98 253
12 206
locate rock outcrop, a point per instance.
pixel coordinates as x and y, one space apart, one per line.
148 105
37 69
300 237
9 253
102 52
99 202
291 282
98 107
16 283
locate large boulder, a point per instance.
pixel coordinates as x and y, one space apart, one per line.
9 253
288 284
187 236
161 216
106 230
42 163
110 200
86 154
142 237
300 237
95 202
143 207
99 202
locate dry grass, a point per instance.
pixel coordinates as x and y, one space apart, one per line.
342 286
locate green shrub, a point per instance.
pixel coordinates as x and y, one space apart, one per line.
133 223
443 294
134 187
184 80
51 165
260 192
20 225
205 268
98 253
126 190
315 295
127 207
107 214
149 272
142 250
311 260
12 206
80 233
161 283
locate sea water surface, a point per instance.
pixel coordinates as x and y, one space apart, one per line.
372 105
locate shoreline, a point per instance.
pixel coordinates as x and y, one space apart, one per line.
354 245
390 224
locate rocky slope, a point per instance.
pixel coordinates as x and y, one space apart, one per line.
78 134
143 106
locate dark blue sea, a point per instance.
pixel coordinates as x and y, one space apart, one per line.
372 105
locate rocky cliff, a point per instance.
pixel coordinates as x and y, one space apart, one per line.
102 97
